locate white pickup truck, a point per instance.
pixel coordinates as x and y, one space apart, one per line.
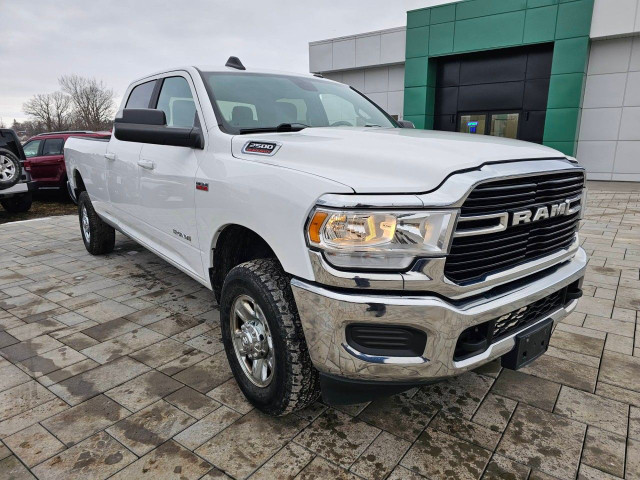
348 253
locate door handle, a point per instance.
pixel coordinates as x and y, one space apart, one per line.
110 156
148 164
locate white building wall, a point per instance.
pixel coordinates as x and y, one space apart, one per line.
383 85
384 47
372 63
613 18
609 138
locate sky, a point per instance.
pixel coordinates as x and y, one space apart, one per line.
117 41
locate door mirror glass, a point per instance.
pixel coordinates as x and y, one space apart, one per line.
405 124
505 125
473 124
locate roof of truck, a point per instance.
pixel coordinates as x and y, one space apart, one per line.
222 68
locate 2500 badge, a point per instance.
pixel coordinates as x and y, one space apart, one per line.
261 148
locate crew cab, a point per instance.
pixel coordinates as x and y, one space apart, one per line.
45 156
349 253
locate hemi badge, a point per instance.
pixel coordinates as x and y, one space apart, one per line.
202 186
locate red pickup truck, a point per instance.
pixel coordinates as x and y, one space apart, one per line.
45 156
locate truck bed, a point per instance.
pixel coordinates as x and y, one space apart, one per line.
86 156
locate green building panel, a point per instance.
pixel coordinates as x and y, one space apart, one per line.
417 42
415 72
541 3
483 8
565 91
442 14
441 38
485 33
540 24
480 25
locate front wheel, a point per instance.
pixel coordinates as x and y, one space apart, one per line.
263 339
17 203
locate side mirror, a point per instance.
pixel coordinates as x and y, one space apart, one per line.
143 116
147 125
405 124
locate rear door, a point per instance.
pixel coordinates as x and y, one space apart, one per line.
167 179
121 165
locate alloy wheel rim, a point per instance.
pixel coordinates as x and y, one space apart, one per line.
85 224
252 340
7 169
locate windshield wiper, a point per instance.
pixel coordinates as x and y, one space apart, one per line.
283 127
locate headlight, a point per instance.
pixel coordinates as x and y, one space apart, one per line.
386 240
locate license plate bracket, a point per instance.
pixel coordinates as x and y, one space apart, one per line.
530 344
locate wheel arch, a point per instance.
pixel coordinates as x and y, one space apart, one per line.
78 182
232 245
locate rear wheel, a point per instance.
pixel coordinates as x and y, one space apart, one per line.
10 169
98 237
263 339
17 203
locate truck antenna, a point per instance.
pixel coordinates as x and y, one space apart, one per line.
234 62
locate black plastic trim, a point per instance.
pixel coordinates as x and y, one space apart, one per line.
234 62
386 340
344 391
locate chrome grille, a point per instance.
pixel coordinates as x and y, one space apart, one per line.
472 257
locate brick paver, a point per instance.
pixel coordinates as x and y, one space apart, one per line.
113 367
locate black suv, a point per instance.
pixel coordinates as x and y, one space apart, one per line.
15 182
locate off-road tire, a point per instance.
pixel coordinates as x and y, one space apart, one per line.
102 237
17 203
295 382
16 169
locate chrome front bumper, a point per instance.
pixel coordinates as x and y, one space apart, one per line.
325 314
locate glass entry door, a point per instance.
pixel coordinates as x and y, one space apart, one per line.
497 124
504 125
473 124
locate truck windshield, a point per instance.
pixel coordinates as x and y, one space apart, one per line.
253 102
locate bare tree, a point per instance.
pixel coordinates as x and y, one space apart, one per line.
62 105
27 128
2 125
52 110
93 104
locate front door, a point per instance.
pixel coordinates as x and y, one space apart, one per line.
167 181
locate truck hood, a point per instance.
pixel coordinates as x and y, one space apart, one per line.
386 160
